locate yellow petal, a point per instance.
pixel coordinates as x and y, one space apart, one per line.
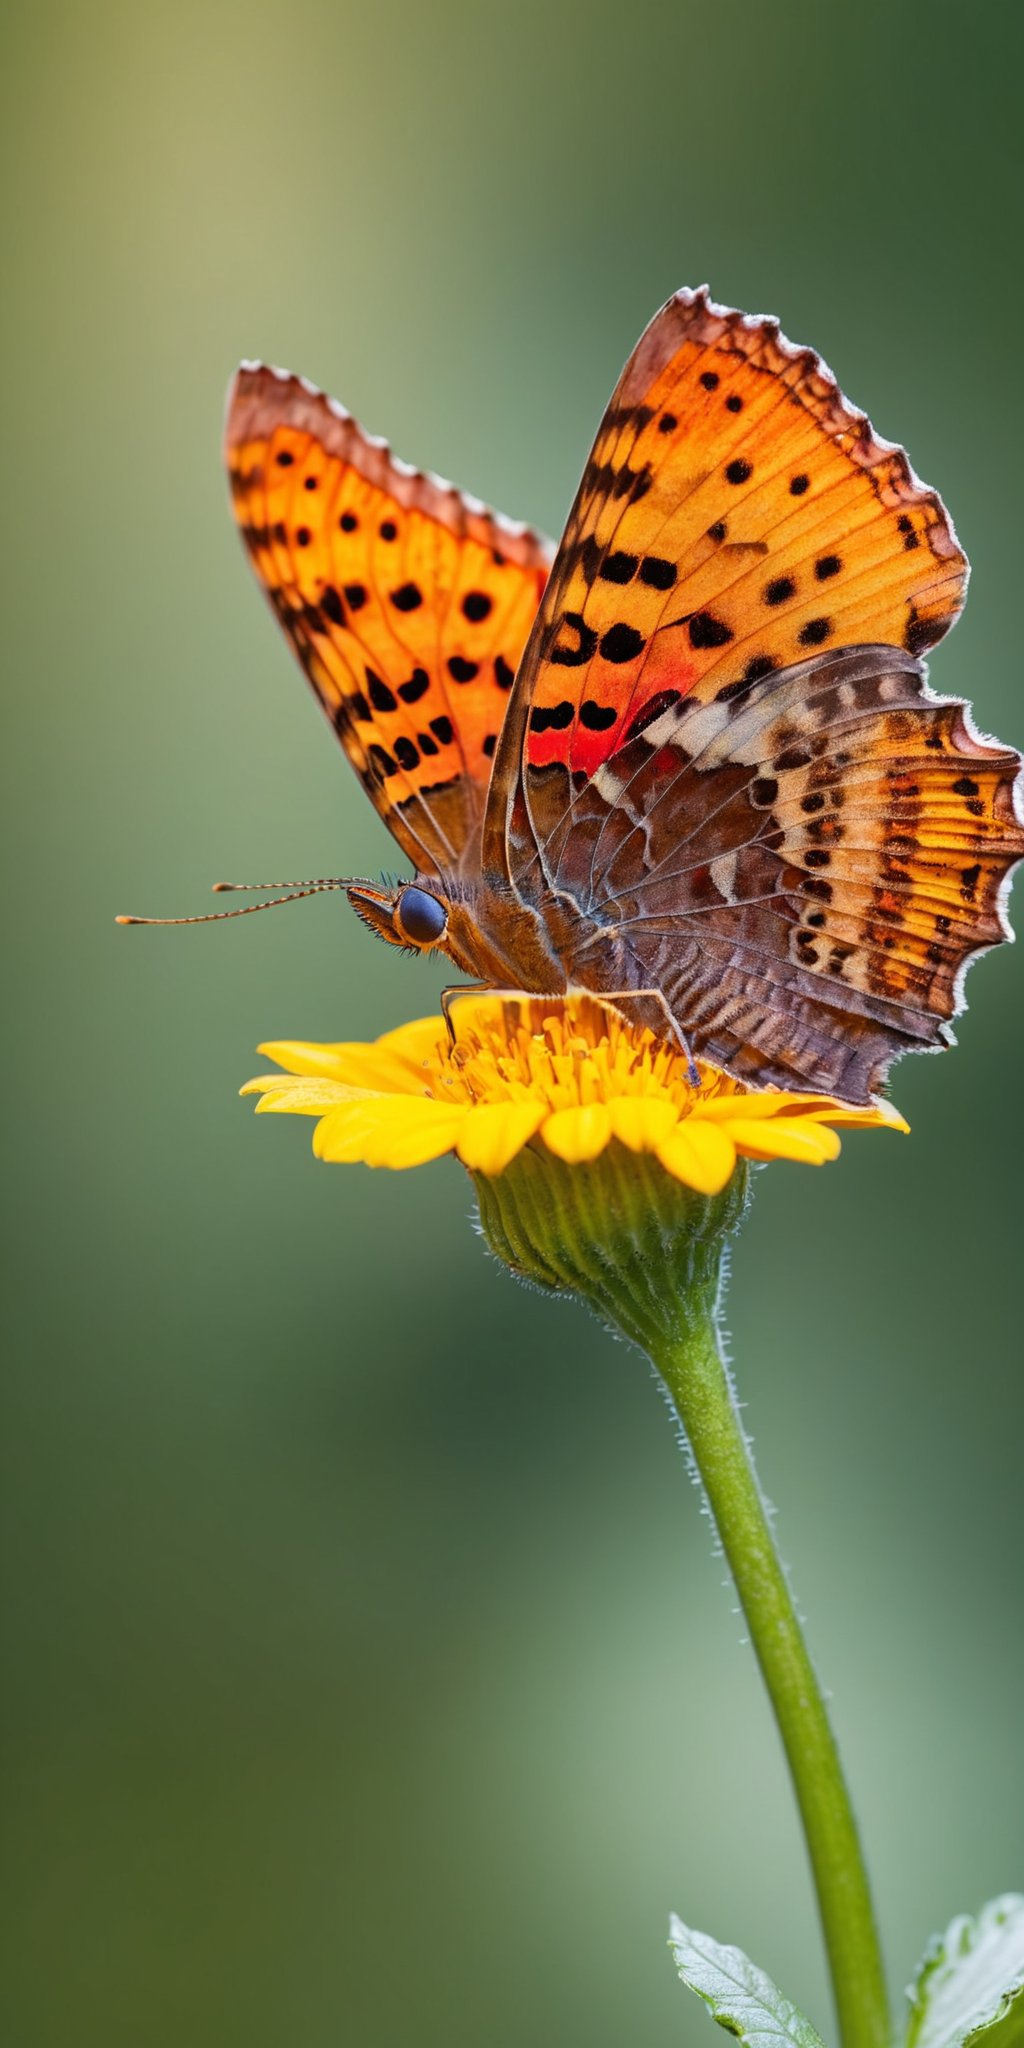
643 1121
395 1062
786 1138
299 1057
761 1102
877 1114
493 1132
778 1102
383 1131
578 1134
417 1041
700 1155
301 1095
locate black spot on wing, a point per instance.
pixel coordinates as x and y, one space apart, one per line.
381 697
658 573
554 717
815 631
922 633
619 567
707 631
574 641
622 643
416 687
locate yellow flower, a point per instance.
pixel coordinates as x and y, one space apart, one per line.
565 1076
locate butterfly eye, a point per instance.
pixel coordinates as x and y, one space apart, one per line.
420 917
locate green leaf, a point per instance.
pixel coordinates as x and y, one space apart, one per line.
737 1994
971 1981
1009 2031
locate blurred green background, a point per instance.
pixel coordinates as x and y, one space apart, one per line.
368 1676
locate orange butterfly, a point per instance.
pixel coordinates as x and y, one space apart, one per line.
695 768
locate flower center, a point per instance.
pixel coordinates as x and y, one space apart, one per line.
521 1051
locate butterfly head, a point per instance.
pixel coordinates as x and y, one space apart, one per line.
411 915
484 931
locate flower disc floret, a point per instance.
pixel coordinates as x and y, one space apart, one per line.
570 1075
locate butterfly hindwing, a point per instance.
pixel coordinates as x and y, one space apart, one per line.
804 878
407 604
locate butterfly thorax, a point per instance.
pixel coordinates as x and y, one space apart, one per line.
506 939
499 938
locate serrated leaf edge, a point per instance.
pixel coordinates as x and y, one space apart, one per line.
776 2015
960 1939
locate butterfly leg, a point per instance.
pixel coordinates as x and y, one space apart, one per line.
614 998
472 988
618 997
448 995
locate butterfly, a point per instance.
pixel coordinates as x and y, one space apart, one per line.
689 760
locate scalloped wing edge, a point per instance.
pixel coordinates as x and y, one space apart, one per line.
693 315
262 398
982 745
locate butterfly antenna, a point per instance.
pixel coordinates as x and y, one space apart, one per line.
309 882
246 910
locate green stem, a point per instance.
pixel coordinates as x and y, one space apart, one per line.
646 1253
694 1371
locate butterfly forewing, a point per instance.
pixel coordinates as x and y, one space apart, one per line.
407 604
736 516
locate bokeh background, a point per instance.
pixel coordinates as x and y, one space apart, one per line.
368 1677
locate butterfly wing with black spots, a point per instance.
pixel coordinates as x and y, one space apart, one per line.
721 751
407 604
